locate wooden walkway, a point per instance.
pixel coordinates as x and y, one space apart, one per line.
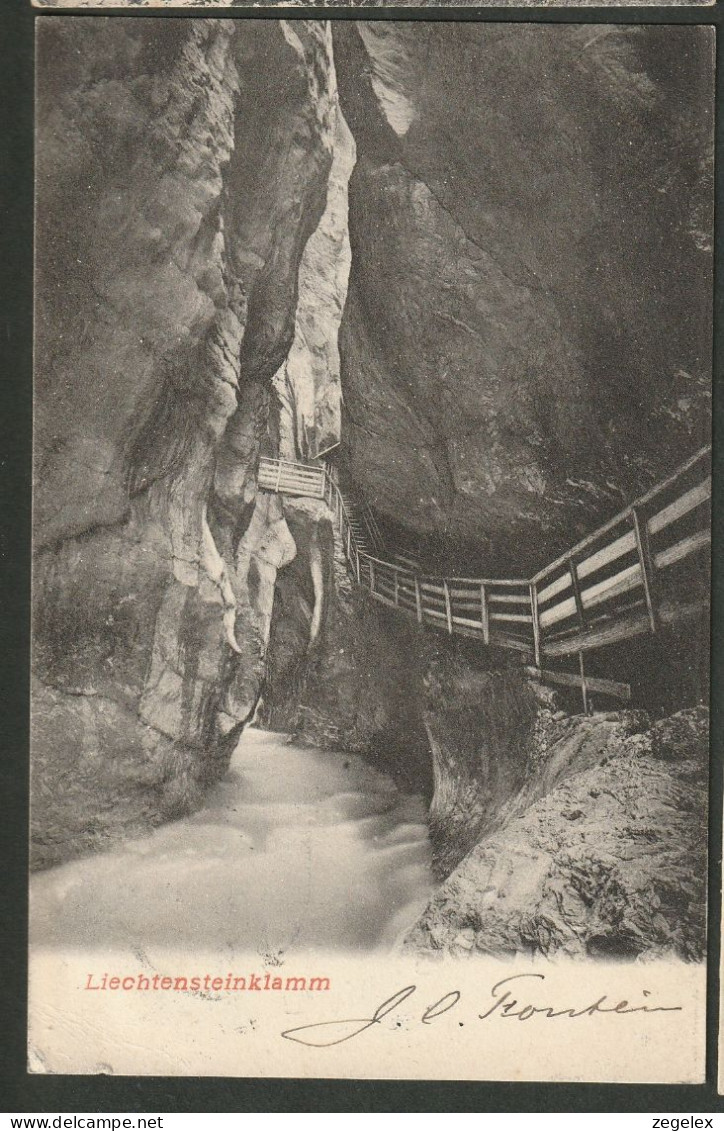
629 577
292 478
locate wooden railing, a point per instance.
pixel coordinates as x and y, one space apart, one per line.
623 580
291 478
495 611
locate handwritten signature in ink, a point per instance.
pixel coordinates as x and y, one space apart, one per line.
505 1005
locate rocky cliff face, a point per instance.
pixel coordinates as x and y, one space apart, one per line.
493 310
505 376
182 168
600 855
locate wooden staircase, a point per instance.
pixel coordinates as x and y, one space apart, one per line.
360 533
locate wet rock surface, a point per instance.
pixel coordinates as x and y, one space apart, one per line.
182 168
608 861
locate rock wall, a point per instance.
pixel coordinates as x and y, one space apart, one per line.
601 855
506 377
182 168
359 687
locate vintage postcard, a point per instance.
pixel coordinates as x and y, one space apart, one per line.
371 521
135 4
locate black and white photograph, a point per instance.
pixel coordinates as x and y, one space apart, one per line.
371 582
136 5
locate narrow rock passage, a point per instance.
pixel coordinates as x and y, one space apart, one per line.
296 848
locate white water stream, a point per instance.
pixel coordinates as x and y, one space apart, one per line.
295 849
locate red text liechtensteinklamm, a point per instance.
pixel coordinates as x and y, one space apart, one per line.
208 982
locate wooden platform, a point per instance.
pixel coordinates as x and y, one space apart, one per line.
291 478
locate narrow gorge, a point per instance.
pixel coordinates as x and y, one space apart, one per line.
490 313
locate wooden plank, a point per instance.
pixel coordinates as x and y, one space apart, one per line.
558 612
406 584
434 613
518 583
576 593
617 630
382 599
611 553
467 621
292 465
536 623
291 483
513 642
558 586
384 585
292 473
623 628
448 609
431 601
407 601
431 587
418 601
468 594
472 592
584 682
610 687
497 639
397 588
468 606
614 586
515 618
646 564
308 490
603 618
484 617
297 489
621 546
623 515
681 506
682 549
304 475
301 486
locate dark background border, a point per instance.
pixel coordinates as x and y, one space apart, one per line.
20 1092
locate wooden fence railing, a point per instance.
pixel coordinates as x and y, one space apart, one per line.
623 580
291 478
495 611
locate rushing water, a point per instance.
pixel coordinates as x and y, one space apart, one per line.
296 848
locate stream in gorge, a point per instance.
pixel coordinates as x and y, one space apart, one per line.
296 848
